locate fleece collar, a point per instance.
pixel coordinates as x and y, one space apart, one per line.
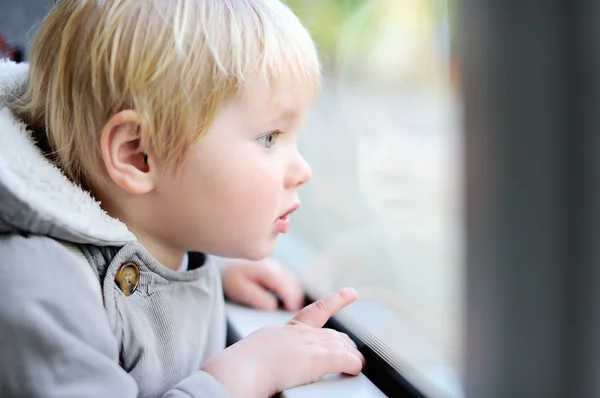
35 196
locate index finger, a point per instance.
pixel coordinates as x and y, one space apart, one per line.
318 313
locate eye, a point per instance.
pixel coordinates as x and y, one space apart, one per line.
268 140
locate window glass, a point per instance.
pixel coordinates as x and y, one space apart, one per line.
383 211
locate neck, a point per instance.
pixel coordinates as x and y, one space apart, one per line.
168 256
164 252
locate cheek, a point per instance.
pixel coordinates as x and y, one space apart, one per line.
250 193
240 191
225 200
241 207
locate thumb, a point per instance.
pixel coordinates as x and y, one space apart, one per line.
318 313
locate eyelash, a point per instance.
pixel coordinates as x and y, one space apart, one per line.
263 140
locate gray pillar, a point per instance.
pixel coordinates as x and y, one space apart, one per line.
531 85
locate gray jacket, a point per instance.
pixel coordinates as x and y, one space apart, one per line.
57 338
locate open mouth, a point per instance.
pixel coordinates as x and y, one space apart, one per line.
282 224
292 209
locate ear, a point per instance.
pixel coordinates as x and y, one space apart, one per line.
123 154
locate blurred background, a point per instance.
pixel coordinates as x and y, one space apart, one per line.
18 20
383 211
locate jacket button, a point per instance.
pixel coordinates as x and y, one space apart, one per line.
127 278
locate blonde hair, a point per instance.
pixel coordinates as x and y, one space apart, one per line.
175 62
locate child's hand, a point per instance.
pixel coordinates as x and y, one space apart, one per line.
251 283
280 357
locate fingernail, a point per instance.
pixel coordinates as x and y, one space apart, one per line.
349 293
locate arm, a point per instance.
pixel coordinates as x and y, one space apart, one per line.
55 340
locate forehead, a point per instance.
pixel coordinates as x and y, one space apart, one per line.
285 97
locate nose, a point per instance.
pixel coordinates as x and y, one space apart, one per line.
299 172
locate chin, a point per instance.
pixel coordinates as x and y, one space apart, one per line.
258 251
256 255
251 249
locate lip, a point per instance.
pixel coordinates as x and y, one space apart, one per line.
283 224
292 209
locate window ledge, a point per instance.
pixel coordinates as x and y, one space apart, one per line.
245 321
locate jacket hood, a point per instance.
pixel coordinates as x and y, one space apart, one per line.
35 196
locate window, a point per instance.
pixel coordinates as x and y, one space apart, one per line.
383 211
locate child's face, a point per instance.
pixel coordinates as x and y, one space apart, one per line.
238 180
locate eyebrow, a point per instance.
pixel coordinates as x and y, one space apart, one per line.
285 114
